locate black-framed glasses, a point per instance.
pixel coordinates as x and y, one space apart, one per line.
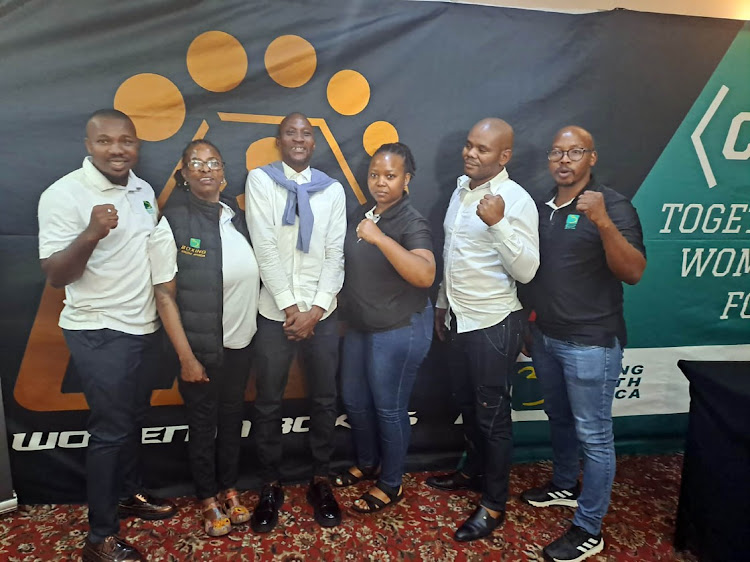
213 164
575 154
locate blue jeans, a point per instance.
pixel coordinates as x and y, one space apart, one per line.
116 371
578 383
378 370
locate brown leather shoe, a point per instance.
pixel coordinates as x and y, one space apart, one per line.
111 549
147 507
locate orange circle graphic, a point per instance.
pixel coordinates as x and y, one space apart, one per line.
262 152
378 134
348 92
217 61
290 61
154 104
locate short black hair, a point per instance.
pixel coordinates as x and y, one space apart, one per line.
109 113
410 166
178 177
287 117
199 142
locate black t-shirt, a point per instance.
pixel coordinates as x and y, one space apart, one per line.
576 296
375 298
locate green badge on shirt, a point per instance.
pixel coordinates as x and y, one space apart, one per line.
195 243
149 207
571 222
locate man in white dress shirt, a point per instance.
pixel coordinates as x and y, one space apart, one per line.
296 216
491 243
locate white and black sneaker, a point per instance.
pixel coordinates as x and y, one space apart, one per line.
549 494
575 545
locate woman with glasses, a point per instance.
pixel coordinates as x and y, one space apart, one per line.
206 283
390 268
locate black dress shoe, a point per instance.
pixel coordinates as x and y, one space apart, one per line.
325 507
455 481
479 525
266 514
111 549
146 506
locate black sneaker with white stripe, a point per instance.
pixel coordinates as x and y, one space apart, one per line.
549 494
575 545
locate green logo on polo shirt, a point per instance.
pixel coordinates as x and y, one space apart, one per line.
571 221
149 207
195 243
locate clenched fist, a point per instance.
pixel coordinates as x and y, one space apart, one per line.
103 219
368 231
591 204
491 209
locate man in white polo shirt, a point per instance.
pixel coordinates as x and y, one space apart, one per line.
94 224
491 243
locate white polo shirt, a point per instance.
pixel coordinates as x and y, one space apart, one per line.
241 280
115 289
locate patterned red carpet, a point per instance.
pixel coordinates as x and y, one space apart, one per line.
639 525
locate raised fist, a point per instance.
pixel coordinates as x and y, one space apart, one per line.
491 209
103 219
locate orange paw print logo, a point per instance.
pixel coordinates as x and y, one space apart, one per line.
217 62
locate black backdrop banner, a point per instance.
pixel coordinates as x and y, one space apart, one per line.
365 72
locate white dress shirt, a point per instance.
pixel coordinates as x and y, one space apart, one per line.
115 289
289 275
239 273
482 263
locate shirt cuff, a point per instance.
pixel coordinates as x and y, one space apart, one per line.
442 300
501 229
323 300
285 299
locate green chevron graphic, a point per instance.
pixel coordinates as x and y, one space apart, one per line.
695 210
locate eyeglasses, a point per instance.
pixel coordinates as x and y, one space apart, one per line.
575 154
212 164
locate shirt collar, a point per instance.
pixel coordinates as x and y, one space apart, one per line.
551 203
100 181
393 209
553 195
227 213
291 174
493 185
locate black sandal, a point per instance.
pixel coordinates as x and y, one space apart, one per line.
353 475
375 504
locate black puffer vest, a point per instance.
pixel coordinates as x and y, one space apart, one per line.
200 297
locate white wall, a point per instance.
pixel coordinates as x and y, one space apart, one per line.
732 9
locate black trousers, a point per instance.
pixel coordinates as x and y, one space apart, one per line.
214 411
273 355
117 372
481 367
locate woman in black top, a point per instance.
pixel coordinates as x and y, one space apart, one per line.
389 270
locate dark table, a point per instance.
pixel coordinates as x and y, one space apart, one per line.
713 516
